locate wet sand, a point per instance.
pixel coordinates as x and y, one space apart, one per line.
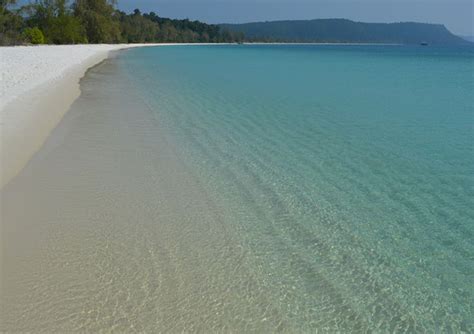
106 229
39 84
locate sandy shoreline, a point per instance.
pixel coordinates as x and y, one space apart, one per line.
39 84
118 234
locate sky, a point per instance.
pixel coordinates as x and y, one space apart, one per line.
456 15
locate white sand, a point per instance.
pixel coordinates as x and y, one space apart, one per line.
24 68
38 85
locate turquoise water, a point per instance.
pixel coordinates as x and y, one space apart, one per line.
347 170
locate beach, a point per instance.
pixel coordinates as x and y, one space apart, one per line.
238 188
118 234
39 84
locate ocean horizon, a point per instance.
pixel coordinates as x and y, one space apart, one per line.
253 188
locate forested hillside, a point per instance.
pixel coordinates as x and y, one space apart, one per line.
98 21
346 31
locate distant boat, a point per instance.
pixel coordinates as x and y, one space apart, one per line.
424 43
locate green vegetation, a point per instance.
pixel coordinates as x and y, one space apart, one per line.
56 21
345 31
11 24
98 21
33 35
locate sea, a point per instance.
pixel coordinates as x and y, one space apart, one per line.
256 188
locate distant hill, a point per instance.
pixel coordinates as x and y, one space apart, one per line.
346 31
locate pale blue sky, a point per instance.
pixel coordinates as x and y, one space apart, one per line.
457 15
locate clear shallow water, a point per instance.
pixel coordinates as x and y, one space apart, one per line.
348 171
251 189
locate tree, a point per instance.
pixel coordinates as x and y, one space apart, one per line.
5 3
55 19
67 29
34 35
11 24
136 28
99 20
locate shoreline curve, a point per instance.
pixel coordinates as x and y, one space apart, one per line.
37 90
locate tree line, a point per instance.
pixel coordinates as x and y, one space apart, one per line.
99 21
